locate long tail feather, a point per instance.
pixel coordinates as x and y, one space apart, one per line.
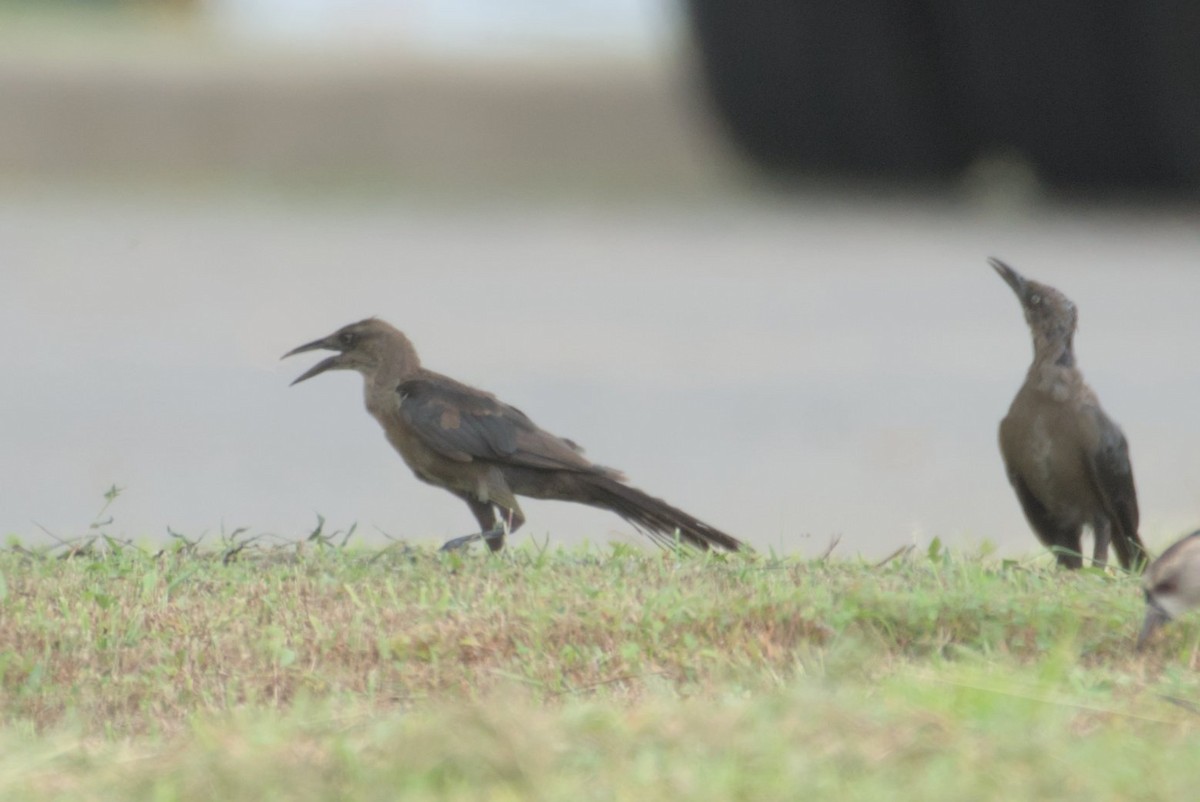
656 518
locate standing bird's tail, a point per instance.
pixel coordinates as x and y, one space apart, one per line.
654 517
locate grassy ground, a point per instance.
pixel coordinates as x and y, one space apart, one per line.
328 673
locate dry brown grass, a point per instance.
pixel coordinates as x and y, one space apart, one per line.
329 673
131 643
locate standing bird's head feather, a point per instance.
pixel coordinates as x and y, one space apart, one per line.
1051 316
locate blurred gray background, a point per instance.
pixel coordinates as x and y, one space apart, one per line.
542 201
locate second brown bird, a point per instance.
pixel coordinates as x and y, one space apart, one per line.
1066 459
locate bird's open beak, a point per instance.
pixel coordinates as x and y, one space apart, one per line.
1155 618
1010 276
329 363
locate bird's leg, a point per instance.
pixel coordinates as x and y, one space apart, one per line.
493 528
495 537
1102 535
1068 558
489 524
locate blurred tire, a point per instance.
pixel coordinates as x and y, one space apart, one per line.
1098 94
855 87
1171 55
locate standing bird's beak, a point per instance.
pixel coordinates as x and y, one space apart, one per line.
1010 276
1155 618
329 363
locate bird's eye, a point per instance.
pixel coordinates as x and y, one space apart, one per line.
1035 299
348 338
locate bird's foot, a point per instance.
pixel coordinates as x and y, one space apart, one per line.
466 540
459 542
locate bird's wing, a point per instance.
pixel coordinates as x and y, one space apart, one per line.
1045 526
1112 475
1048 530
465 424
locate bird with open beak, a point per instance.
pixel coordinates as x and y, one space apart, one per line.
349 355
485 452
1171 586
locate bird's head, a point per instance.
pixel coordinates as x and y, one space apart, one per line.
365 346
1049 313
1171 586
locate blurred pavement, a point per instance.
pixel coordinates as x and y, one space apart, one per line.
568 237
788 371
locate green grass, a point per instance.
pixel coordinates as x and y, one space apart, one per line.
325 673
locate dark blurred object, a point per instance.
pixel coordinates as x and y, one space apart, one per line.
1097 94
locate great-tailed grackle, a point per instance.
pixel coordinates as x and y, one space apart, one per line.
1172 585
1067 461
484 451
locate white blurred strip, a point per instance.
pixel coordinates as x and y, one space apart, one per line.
455 27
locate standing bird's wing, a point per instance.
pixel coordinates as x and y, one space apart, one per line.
1049 531
1111 474
1061 537
464 424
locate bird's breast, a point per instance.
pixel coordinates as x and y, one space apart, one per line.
1041 443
